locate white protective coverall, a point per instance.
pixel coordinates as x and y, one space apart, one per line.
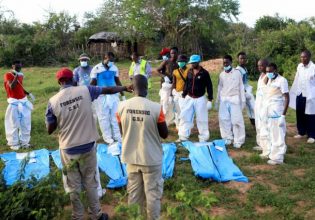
258 106
231 97
273 127
106 105
178 102
189 107
250 99
167 102
18 121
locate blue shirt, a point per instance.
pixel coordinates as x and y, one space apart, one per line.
95 91
81 75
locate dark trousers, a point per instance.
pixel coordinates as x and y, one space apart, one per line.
305 123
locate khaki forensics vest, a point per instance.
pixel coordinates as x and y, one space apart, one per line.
72 107
140 136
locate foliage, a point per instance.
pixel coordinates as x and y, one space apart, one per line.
33 200
191 204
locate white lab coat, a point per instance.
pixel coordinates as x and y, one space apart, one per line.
309 70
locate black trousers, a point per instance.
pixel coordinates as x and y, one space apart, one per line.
305 123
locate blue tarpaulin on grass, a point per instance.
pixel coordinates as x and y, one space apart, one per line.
112 166
23 166
169 150
210 160
56 158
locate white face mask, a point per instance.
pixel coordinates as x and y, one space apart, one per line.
84 63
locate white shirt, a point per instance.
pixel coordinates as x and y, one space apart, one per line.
231 87
99 68
280 83
302 79
304 82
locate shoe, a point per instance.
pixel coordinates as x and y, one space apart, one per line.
104 216
263 156
273 162
228 142
109 141
237 145
310 141
15 147
298 136
25 146
181 140
257 148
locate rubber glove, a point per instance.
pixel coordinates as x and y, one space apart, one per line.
123 98
282 121
209 105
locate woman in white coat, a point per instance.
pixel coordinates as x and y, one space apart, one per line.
302 97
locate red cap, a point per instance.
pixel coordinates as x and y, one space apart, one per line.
64 73
165 51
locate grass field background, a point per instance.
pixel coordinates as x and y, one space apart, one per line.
281 192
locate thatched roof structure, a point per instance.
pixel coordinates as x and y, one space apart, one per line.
104 37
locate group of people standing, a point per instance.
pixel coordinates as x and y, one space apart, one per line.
90 93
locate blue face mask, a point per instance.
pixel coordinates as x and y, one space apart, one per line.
271 75
227 68
181 64
84 63
110 64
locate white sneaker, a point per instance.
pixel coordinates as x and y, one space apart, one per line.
273 162
263 156
228 142
310 141
15 147
257 148
100 195
298 136
237 145
109 141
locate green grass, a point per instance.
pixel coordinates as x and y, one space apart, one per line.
282 192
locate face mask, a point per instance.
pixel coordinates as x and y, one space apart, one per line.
164 58
227 68
84 63
181 64
271 75
110 64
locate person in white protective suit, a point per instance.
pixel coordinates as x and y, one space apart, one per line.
166 69
106 74
275 104
179 79
302 97
17 120
262 65
231 101
195 102
250 99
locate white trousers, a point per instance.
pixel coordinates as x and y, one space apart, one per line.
273 131
250 102
178 100
189 107
106 108
231 122
258 106
167 103
17 122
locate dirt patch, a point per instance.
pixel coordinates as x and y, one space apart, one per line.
299 172
218 211
214 65
261 167
265 181
109 209
238 153
262 210
239 186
